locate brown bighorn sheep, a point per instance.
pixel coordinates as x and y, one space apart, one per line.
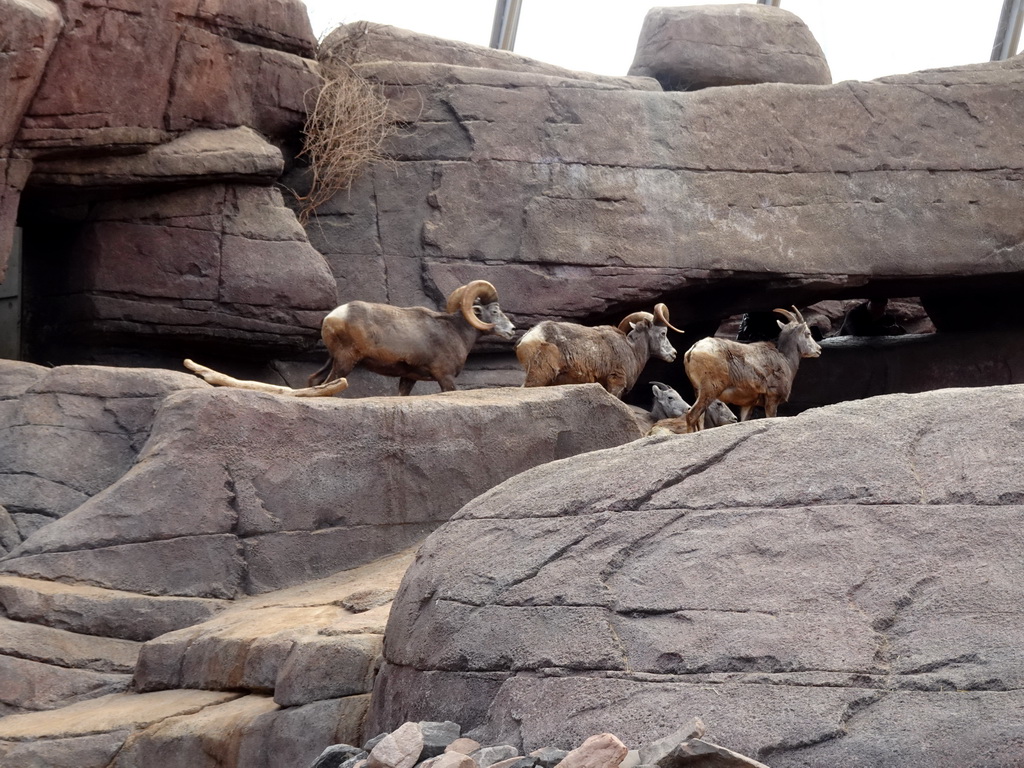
567 353
412 343
748 375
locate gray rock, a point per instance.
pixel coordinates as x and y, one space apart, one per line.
515 762
338 755
688 48
202 155
266 514
438 736
95 611
853 600
652 753
548 757
488 756
399 749
696 752
73 431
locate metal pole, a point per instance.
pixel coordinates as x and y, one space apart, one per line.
1011 18
506 22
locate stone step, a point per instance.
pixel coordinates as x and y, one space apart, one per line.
97 611
180 729
61 648
30 686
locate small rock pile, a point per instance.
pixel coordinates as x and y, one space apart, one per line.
441 745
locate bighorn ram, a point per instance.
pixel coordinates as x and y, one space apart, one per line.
412 343
567 353
670 408
748 375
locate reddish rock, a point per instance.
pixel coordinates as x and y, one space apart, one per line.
127 77
603 750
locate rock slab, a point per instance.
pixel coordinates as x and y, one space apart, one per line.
850 607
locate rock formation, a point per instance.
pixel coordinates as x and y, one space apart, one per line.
689 48
210 570
828 589
583 199
138 159
192 576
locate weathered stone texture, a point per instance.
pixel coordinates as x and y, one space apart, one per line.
72 432
31 28
225 263
814 588
134 76
362 42
525 179
212 508
695 47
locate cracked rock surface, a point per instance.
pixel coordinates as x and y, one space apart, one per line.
838 586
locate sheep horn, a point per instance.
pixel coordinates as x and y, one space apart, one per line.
799 316
463 298
790 317
634 317
661 315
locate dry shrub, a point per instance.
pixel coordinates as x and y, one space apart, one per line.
346 127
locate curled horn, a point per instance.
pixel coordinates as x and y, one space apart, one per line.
661 316
635 317
463 298
790 317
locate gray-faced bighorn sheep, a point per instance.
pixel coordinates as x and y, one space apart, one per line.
567 353
669 410
412 343
748 375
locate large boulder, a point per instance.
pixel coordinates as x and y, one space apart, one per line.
838 588
700 46
525 179
240 492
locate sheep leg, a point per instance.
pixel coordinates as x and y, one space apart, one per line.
771 407
543 366
446 382
616 384
695 416
745 411
405 386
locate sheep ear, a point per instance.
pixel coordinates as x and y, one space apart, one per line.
781 324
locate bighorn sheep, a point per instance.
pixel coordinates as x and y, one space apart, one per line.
748 375
670 408
567 353
412 343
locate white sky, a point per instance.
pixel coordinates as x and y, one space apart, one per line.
862 40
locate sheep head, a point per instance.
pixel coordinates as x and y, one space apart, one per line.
655 328
478 303
796 328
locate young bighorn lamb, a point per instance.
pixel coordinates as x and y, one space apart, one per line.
748 375
412 343
670 409
567 353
